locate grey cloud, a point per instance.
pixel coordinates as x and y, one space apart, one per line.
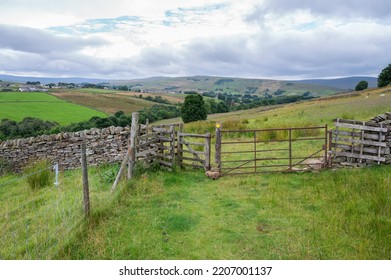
32 40
345 9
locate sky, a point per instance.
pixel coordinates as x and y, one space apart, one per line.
129 39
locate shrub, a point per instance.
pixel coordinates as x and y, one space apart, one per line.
361 86
39 174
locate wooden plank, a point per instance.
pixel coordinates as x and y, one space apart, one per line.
148 143
361 127
193 165
193 159
164 156
193 143
146 152
358 134
369 123
165 163
358 141
193 152
165 139
192 135
146 136
369 150
191 149
353 155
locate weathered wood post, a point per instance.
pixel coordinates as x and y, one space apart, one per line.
147 126
86 192
133 140
207 151
330 157
290 148
326 149
180 145
172 144
218 146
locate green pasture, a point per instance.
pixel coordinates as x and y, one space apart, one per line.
16 106
335 214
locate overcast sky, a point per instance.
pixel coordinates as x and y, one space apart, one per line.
126 39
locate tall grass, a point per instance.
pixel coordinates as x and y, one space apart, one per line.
340 214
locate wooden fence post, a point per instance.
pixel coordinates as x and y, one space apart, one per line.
172 144
180 145
86 192
133 139
218 146
207 151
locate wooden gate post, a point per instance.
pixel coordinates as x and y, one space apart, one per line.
86 192
207 151
172 145
218 146
180 145
133 139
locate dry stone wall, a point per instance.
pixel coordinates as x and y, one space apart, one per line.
108 145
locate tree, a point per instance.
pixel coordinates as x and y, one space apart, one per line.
193 109
384 78
361 85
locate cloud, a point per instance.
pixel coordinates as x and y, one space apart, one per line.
373 9
32 40
248 38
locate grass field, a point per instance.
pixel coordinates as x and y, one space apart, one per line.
343 214
332 214
18 105
359 106
106 101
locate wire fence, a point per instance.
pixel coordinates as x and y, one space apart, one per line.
35 224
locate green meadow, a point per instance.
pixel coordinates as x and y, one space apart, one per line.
330 214
18 105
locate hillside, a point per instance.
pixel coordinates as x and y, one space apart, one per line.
318 87
227 85
366 104
348 83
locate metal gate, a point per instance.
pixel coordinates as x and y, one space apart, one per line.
271 150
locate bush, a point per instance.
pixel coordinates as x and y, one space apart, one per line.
39 174
361 86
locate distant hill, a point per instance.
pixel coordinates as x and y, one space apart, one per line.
348 83
48 80
228 85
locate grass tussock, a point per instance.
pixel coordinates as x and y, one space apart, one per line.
39 174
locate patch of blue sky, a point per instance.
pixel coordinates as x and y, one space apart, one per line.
182 14
307 26
194 10
100 25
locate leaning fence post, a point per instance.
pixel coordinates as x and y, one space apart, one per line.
218 146
86 194
133 138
